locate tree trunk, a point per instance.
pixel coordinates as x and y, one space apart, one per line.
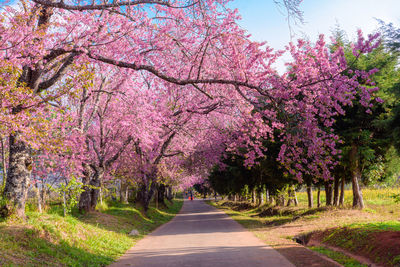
64 204
96 182
296 202
342 184
146 192
358 201
123 193
253 196
290 197
44 195
156 198
84 198
328 193
310 196
18 180
280 200
319 197
336 191
169 194
89 197
101 195
161 195
267 196
38 195
261 196
3 163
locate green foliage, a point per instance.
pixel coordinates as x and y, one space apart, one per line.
71 191
235 178
102 206
370 132
396 198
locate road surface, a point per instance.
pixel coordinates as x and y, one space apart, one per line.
201 236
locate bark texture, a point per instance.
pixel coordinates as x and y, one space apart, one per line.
123 193
146 191
267 196
358 201
18 180
161 195
92 180
341 198
328 193
261 196
310 196
3 163
336 191
170 196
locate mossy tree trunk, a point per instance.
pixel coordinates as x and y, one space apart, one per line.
18 180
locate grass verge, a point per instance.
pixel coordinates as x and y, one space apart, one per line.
338 257
379 241
96 239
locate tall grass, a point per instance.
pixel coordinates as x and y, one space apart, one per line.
372 196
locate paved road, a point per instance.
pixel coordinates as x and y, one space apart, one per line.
200 235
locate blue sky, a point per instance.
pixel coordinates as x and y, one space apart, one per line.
265 22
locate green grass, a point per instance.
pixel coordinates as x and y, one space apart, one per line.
96 239
338 257
377 226
357 235
372 196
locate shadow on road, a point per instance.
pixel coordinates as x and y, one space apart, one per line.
199 256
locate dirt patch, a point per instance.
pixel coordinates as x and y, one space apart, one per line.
379 247
388 243
301 256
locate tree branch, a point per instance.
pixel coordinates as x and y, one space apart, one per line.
171 79
163 148
112 4
57 76
119 152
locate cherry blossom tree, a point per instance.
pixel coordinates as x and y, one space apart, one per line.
168 75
